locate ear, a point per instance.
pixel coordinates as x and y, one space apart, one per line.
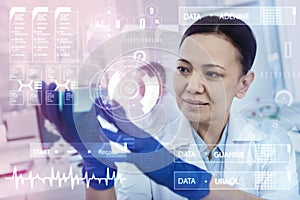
244 84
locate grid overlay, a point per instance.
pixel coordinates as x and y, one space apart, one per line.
265 153
270 16
267 178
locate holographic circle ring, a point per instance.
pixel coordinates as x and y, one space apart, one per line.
134 70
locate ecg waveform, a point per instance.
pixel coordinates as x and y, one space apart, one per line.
61 178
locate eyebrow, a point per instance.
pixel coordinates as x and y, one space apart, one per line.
205 65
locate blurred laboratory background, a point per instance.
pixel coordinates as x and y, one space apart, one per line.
274 95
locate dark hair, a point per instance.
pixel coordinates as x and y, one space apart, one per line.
234 30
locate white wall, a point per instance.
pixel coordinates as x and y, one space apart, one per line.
291 64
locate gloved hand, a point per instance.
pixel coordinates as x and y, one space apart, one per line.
81 130
152 158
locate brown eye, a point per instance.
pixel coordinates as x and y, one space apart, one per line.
183 70
213 75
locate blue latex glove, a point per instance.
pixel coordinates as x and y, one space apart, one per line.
152 158
81 130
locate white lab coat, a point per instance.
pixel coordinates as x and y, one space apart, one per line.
243 135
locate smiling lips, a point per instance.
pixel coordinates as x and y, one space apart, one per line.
194 103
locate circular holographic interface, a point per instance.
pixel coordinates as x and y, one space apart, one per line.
133 84
132 71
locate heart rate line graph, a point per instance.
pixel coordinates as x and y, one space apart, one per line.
60 178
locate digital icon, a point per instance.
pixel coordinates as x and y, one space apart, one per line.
284 97
139 55
149 18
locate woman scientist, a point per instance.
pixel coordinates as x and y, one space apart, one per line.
232 158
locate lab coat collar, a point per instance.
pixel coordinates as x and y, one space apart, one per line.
186 138
242 129
203 146
184 135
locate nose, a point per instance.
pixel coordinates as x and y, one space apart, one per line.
196 84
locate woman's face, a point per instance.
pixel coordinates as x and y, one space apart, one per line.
207 78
